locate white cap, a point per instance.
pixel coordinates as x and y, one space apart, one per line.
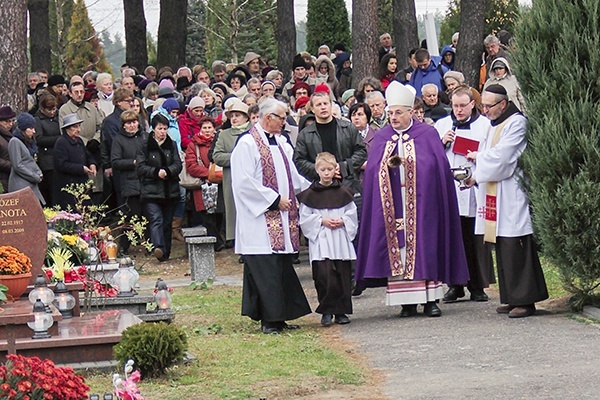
398 94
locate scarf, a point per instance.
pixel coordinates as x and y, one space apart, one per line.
273 217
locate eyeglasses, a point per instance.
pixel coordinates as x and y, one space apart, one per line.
398 113
460 106
278 117
489 107
129 100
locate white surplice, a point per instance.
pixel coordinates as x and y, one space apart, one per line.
252 199
467 202
334 244
499 164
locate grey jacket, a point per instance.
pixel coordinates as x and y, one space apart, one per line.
24 172
350 148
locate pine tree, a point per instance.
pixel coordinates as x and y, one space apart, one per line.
326 23
195 52
557 61
384 17
60 22
257 30
499 14
83 51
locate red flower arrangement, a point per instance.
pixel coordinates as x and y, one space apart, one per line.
30 378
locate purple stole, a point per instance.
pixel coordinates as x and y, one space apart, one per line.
273 217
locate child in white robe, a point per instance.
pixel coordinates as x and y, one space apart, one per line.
329 220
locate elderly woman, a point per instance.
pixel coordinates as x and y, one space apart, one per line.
197 163
360 115
47 132
276 77
189 122
22 152
454 79
158 166
73 162
123 153
237 114
211 104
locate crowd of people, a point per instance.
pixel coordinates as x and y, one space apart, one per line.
361 169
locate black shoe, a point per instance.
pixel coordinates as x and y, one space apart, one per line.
408 310
219 247
479 295
432 310
454 293
326 319
229 244
358 289
241 260
296 259
342 319
269 328
291 327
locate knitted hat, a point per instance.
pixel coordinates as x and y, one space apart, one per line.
298 62
322 87
6 113
301 85
347 94
496 89
25 120
301 102
166 82
56 80
143 83
457 76
170 105
195 103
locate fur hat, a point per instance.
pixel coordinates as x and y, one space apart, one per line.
398 94
6 113
25 120
298 62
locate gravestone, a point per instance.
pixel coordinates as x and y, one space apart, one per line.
23 226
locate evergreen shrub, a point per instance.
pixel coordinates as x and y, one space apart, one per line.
153 347
557 62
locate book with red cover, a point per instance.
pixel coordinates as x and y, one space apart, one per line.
462 145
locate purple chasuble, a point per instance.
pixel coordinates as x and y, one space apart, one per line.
433 239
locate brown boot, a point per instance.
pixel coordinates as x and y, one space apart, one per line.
176 225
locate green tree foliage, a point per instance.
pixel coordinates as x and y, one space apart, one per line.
234 27
327 23
195 52
60 12
152 49
557 61
384 15
500 14
83 50
114 49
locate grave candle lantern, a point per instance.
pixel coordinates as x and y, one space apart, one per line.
42 292
63 300
163 297
42 321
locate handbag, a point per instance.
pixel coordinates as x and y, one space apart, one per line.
215 173
185 179
210 192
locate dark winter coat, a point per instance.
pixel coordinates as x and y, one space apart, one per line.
110 127
47 132
350 148
149 160
70 156
5 137
122 157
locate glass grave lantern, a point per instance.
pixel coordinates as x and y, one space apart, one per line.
42 291
162 297
125 278
42 321
63 300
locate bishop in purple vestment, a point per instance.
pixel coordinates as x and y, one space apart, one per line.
410 236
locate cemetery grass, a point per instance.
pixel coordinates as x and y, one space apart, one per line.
234 360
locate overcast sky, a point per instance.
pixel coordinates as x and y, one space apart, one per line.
108 14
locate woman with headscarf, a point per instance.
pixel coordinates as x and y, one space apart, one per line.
197 163
22 152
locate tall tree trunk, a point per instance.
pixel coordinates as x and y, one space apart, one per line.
39 35
172 33
13 53
286 37
364 40
470 45
136 53
405 29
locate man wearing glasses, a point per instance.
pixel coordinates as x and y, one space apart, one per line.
410 241
265 182
461 131
503 211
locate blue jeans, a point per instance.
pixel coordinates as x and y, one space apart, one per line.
160 214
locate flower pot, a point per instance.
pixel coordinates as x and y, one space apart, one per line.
16 284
